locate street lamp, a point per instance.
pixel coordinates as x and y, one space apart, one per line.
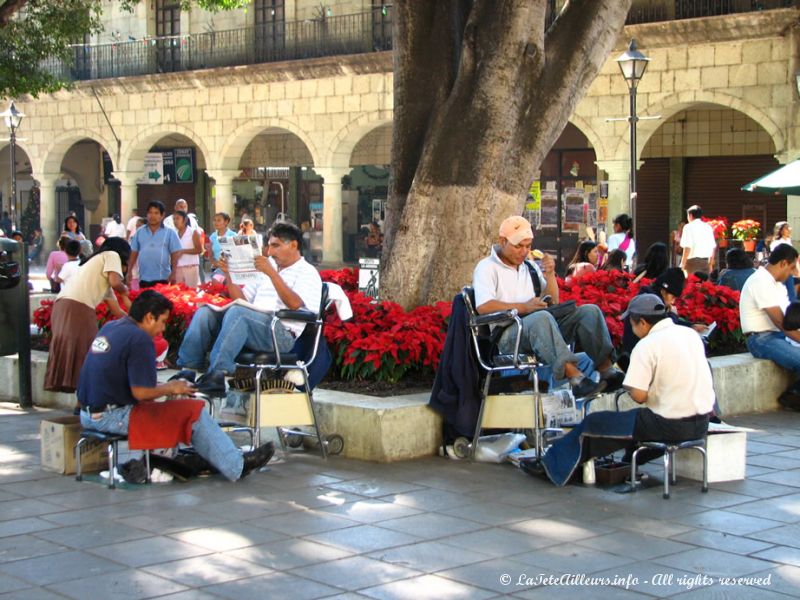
633 64
13 118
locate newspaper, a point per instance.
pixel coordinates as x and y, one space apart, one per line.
240 252
559 409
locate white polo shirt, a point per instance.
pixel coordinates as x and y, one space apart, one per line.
302 278
698 236
761 291
495 280
670 363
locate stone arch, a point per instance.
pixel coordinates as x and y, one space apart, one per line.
675 103
132 159
57 150
341 148
34 159
594 139
235 145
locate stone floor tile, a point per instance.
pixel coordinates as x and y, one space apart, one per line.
14 509
791 478
430 556
648 578
363 538
288 554
130 584
730 592
785 535
499 574
303 522
784 579
492 514
61 567
773 461
431 525
634 545
246 508
722 541
558 529
190 595
12 584
370 510
22 526
229 536
715 498
583 592
33 593
755 448
148 551
426 587
713 563
91 535
318 497
207 570
273 585
497 542
558 558
647 525
21 547
784 508
373 488
173 521
355 573
782 554
757 489
428 498
728 522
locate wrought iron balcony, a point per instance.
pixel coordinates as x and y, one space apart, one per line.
330 36
650 11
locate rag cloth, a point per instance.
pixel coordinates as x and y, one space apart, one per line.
163 424
340 301
564 456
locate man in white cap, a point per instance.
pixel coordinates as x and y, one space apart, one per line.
504 281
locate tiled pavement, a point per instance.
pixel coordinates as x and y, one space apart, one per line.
423 529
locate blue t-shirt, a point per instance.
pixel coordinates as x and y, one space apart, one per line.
216 249
155 250
122 356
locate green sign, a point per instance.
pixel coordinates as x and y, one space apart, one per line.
184 165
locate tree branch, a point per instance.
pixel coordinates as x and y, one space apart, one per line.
9 9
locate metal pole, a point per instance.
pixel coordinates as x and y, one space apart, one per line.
24 332
634 119
13 199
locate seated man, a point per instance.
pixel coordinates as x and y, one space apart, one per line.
504 281
118 379
668 373
761 309
290 283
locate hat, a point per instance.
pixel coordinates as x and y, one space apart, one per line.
672 280
645 305
515 229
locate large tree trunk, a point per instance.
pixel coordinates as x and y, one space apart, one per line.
464 158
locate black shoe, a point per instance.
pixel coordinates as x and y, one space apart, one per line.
212 383
257 458
187 374
534 467
586 388
613 378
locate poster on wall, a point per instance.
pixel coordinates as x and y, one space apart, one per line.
602 206
153 169
549 210
574 209
377 210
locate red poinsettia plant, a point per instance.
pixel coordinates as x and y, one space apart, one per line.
720 227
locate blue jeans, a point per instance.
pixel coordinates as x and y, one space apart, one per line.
226 334
772 345
548 339
208 439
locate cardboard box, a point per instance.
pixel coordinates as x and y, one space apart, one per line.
59 436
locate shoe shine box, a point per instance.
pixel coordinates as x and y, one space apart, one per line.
58 438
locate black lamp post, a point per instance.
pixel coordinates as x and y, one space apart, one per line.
13 118
633 64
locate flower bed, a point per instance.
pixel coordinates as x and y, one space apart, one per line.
385 343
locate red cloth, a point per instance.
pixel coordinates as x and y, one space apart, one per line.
161 345
162 424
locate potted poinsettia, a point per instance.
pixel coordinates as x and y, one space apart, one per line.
720 227
746 230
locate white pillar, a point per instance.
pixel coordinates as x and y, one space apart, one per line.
332 213
619 201
223 189
48 210
128 198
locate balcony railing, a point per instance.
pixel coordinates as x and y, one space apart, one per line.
330 36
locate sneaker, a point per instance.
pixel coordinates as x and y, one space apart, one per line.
185 374
613 378
257 458
586 387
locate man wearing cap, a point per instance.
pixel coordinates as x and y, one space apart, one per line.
504 281
761 309
698 243
676 407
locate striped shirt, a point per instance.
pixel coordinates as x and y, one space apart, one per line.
302 278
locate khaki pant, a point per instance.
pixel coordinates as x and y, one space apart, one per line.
695 265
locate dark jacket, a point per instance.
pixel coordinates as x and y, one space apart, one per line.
456 389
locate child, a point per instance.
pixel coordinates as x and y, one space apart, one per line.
67 270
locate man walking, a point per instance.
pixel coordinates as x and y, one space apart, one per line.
698 243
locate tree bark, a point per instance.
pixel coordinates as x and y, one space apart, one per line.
515 87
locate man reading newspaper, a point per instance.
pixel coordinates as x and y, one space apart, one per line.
289 282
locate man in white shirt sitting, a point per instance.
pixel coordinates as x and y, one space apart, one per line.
762 306
698 243
290 283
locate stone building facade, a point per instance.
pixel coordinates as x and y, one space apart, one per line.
311 137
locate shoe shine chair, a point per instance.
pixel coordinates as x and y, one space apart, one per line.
284 408
501 411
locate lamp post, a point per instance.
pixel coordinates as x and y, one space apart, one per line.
633 63
13 118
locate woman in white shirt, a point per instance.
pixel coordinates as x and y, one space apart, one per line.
622 238
187 270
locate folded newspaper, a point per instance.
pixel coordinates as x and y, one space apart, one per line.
241 251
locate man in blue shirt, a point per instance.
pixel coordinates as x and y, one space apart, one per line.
155 248
120 372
